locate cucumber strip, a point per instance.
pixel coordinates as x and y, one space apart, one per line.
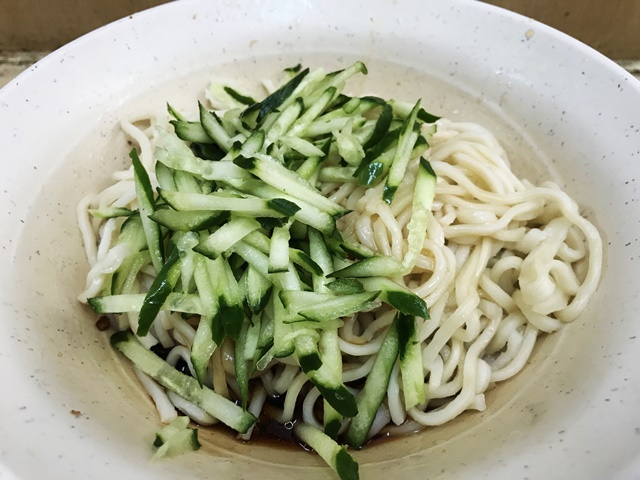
338 174
132 302
257 289
262 355
423 195
186 182
299 127
146 201
185 241
350 105
378 158
203 343
248 205
308 213
303 260
411 368
362 132
309 167
302 146
336 80
203 347
234 126
253 335
207 151
180 442
223 97
377 266
253 144
226 236
357 250
239 97
330 351
190 131
187 387
406 141
176 155
283 344
110 212
378 168
131 234
177 424
255 258
231 312
349 286
381 128
397 296
291 71
162 286
306 350
193 220
277 98
403 110
325 306
279 249
214 297
277 175
164 176
174 113
333 391
375 387
123 279
349 147
331 420
319 253
353 107
335 455
284 121
241 366
263 243
324 126
213 128
207 186
175 439
300 323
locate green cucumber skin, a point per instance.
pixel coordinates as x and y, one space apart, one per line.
273 101
399 297
401 158
191 221
187 387
336 456
160 289
410 355
181 442
377 266
121 303
146 199
375 388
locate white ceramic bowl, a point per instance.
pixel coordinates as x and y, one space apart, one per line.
70 409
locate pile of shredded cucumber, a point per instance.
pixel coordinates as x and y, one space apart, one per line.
240 237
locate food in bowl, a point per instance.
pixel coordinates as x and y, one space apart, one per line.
378 267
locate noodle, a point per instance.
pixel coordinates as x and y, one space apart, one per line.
503 261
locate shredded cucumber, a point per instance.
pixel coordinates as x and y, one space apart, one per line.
241 236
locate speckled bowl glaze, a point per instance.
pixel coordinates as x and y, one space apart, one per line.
71 409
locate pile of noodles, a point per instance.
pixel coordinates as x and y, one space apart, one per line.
503 262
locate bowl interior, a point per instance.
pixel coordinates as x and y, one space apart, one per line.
70 382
